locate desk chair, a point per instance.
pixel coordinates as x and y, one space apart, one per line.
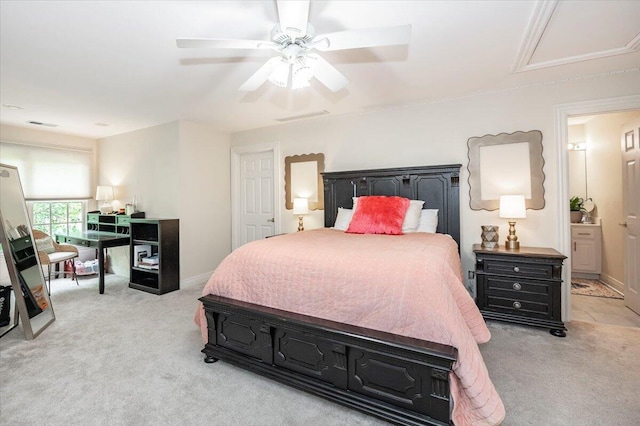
52 253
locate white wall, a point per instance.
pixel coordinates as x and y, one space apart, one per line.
174 170
204 199
437 133
604 182
143 164
44 138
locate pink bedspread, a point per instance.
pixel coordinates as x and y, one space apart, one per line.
409 285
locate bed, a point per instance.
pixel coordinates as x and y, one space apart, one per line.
399 343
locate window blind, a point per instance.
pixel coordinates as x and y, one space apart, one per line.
50 173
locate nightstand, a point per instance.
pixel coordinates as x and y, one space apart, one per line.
521 286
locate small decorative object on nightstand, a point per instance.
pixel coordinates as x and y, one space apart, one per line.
490 236
522 287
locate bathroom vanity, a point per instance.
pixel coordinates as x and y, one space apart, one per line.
586 250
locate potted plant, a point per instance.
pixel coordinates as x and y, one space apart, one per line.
576 209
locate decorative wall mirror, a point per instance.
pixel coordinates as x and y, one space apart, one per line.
506 164
27 280
302 179
578 173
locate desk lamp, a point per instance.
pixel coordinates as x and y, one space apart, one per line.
105 193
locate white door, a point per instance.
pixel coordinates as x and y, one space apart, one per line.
631 182
256 219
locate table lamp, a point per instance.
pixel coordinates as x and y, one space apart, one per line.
105 193
512 207
300 207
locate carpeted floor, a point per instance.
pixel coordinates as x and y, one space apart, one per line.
132 358
587 287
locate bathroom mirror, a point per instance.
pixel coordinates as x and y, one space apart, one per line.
506 164
302 179
578 173
27 280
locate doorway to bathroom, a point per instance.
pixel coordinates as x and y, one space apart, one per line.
599 257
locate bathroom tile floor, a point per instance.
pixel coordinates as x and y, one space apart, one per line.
603 310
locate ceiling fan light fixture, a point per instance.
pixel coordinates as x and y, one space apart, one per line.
280 74
302 75
295 39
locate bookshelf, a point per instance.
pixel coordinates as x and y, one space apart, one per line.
155 237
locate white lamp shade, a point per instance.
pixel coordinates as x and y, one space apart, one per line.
104 193
300 206
512 207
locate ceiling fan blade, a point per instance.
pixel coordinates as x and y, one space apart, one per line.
259 76
326 73
370 37
221 43
293 16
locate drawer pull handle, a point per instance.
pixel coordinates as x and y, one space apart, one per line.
517 305
517 286
583 233
516 269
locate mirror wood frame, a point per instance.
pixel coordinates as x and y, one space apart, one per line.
536 164
31 328
288 178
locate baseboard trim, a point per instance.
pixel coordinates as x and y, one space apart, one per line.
585 276
196 280
613 283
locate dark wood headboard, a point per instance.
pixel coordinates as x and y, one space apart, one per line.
437 186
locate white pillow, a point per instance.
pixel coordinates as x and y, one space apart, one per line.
411 218
428 221
46 245
343 219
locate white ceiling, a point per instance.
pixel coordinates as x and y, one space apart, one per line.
78 63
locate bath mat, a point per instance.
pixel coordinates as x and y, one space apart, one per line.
593 288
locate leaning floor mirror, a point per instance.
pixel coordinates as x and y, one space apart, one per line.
30 296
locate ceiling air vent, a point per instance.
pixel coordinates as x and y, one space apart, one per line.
298 117
39 123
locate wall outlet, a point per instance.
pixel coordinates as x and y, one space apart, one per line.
471 275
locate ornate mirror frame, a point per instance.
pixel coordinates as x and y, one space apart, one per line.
293 173
536 164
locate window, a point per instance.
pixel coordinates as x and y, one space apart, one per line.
51 173
57 217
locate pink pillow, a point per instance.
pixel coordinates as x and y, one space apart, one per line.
379 215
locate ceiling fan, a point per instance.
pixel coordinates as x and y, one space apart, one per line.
294 38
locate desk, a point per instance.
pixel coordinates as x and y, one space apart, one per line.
99 240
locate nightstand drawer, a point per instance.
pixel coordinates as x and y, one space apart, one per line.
518 307
516 286
517 268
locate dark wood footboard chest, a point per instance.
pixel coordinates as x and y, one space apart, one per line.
521 286
400 379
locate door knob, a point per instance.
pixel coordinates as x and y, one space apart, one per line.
271 220
623 224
